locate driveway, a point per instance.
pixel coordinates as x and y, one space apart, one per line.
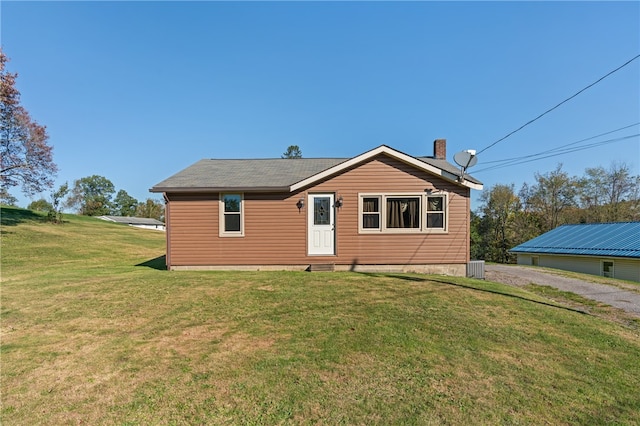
617 297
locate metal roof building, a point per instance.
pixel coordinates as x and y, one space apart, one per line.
138 222
607 249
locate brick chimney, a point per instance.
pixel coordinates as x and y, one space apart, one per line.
440 149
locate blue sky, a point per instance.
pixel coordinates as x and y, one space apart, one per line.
137 91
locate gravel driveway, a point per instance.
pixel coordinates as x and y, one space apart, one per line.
617 297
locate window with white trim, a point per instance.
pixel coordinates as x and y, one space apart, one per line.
435 212
371 213
231 215
402 213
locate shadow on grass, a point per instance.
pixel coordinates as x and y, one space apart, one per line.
159 263
468 287
12 216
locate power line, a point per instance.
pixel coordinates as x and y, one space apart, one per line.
561 146
566 100
565 151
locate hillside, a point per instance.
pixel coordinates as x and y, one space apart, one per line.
94 331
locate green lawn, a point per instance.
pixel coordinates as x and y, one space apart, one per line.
95 332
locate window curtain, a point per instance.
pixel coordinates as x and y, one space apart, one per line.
403 213
369 220
435 204
435 212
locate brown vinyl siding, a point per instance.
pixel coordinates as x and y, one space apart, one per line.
275 231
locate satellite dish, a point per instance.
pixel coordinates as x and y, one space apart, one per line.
465 159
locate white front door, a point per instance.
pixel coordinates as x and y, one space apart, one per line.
321 224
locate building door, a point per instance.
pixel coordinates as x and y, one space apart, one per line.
321 218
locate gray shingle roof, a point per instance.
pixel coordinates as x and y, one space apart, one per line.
277 174
274 173
594 239
447 166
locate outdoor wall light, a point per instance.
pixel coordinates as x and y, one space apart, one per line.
339 202
300 203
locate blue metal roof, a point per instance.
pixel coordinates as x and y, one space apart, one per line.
592 239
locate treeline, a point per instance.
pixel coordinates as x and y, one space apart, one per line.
507 218
94 196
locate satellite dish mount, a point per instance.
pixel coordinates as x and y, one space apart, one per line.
465 159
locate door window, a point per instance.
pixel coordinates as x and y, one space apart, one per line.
321 211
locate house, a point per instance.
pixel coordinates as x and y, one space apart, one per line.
606 249
381 210
138 222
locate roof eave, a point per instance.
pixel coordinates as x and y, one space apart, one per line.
622 254
383 149
191 190
472 185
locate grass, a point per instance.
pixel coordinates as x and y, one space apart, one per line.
95 332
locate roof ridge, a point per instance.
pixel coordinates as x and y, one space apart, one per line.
275 158
283 174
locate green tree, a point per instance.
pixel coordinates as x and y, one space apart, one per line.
151 208
6 198
40 205
609 195
499 207
57 197
475 238
553 194
124 204
293 151
91 196
528 221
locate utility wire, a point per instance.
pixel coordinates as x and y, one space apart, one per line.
565 151
566 100
505 160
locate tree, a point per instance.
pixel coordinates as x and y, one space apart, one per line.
6 198
552 195
609 195
151 208
91 195
477 247
26 158
293 151
53 208
124 204
57 197
498 234
528 221
40 205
